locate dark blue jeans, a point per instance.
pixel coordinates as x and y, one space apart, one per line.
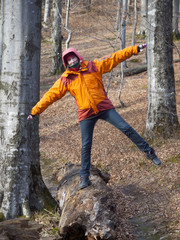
87 127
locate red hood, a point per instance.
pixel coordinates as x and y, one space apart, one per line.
71 50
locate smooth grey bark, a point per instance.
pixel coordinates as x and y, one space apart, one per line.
1 13
123 45
56 38
143 23
118 20
47 11
135 22
22 189
175 16
67 24
162 114
123 24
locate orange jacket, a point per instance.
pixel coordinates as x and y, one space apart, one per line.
85 85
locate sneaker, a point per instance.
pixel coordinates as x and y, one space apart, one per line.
85 182
152 156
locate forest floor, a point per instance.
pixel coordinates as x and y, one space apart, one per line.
147 197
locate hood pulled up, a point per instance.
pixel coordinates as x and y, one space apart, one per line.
71 50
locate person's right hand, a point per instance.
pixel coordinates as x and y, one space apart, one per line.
30 117
141 47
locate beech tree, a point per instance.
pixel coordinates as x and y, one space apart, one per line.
175 16
135 22
162 114
143 23
123 27
47 11
22 189
124 24
118 19
57 65
0 35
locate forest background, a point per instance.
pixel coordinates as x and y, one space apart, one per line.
147 197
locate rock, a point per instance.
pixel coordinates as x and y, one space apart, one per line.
87 213
19 229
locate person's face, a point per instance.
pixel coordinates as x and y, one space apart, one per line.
71 60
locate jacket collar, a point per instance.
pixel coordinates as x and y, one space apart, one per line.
83 68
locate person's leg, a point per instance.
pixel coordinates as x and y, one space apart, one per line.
87 127
116 120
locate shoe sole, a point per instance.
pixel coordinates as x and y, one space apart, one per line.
157 164
85 186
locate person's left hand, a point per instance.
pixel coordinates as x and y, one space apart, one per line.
30 117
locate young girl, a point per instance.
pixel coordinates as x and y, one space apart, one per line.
83 79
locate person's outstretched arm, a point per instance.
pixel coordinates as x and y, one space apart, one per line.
56 92
107 63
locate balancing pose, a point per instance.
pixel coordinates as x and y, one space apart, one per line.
83 79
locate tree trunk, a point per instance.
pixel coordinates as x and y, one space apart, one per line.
123 26
1 27
67 24
56 39
118 19
21 186
47 11
135 22
162 115
175 16
143 26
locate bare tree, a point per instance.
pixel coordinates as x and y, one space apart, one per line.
47 11
66 26
135 22
175 16
57 65
121 86
162 114
22 189
123 27
1 33
118 20
143 23
123 24
123 44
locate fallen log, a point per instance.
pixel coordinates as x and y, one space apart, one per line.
141 68
19 229
136 70
87 213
